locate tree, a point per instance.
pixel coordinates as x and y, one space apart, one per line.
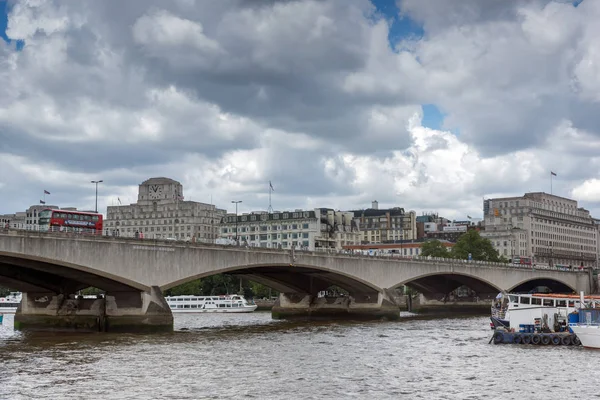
434 248
472 243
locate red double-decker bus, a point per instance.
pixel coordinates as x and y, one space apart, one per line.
70 221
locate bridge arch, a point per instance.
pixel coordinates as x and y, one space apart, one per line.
34 273
434 283
556 285
296 278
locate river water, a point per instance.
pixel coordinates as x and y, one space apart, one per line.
251 356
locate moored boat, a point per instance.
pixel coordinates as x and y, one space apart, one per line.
9 304
586 323
545 312
210 304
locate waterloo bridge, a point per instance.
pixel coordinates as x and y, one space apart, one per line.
49 268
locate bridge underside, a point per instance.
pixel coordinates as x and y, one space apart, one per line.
299 287
439 292
50 302
303 280
33 275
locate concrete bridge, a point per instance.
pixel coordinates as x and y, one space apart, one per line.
50 267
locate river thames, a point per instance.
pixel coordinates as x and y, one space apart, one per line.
221 356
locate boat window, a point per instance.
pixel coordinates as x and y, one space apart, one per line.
215 298
571 303
524 300
548 302
561 303
186 306
194 305
536 301
514 299
235 306
228 305
221 305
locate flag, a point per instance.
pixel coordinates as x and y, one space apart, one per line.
46 192
468 216
552 173
271 186
119 200
42 202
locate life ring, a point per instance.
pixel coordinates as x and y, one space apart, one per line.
535 339
498 337
555 340
545 339
576 341
526 339
566 340
517 339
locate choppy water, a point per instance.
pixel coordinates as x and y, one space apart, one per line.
217 356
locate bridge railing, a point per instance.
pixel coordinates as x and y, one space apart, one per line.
318 251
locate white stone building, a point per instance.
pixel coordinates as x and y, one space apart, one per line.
550 229
301 229
386 225
162 212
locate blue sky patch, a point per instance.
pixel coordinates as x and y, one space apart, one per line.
432 117
400 27
4 9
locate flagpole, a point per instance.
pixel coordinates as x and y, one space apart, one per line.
550 182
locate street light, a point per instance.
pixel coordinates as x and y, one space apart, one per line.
97 182
236 202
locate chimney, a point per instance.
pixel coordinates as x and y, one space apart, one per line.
375 205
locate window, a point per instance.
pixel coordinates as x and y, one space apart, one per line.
304 226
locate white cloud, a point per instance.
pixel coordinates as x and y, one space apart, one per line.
307 94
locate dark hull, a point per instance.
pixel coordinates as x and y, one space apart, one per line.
499 323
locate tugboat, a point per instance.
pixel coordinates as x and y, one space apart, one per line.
535 318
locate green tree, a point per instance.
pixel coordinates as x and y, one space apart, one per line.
434 248
472 243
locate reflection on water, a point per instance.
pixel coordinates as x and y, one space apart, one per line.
252 356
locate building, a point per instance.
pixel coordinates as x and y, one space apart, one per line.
550 229
400 249
385 225
162 212
321 228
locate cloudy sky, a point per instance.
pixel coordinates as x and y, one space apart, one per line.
431 105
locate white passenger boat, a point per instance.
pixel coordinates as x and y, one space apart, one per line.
210 304
586 323
9 304
545 312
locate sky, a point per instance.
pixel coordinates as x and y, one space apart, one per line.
430 105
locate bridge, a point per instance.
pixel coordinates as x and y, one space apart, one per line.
49 268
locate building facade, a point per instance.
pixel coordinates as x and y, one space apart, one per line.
385 225
410 249
162 212
550 229
321 228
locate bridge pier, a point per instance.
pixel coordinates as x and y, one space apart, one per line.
131 312
354 307
436 304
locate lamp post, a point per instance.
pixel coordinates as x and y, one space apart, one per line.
236 202
97 182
